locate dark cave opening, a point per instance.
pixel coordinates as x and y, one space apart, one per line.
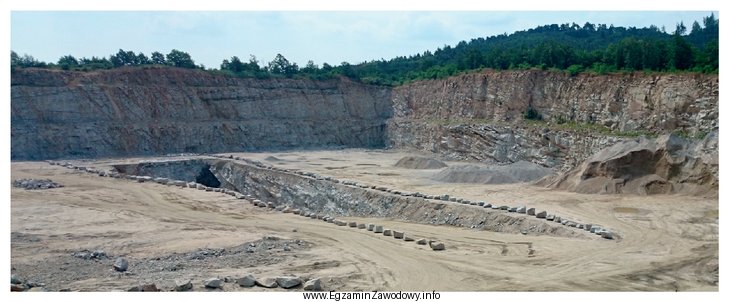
207 178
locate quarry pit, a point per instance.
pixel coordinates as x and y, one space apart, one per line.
246 188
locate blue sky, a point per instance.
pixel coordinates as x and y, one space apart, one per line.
331 37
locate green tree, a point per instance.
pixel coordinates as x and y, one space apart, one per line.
280 65
142 59
67 62
180 59
158 58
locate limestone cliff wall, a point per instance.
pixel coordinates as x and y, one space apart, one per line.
478 116
122 112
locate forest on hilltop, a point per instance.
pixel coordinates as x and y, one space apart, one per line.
572 48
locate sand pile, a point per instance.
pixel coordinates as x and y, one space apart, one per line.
521 171
667 164
418 162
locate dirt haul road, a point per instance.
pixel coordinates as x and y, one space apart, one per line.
667 242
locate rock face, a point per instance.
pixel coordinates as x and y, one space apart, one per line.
667 164
476 116
148 111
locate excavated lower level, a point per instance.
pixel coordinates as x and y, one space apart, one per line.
329 196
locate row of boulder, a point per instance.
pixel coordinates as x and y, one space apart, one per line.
285 282
587 227
378 229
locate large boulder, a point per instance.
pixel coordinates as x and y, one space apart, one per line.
121 264
267 282
247 281
288 282
436 246
213 283
183 285
313 285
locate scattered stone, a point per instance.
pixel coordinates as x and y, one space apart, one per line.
398 235
37 289
370 227
512 209
183 285
387 232
557 219
480 203
378 229
213 283
594 228
14 279
550 217
408 238
296 211
521 210
361 226
422 241
445 197
121 264
607 235
17 287
288 282
588 226
542 214
436 246
488 205
36 184
531 211
229 279
247 281
313 285
353 224
267 282
151 287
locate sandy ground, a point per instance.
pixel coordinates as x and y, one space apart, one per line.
668 242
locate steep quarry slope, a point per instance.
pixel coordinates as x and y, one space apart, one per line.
479 116
57 114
